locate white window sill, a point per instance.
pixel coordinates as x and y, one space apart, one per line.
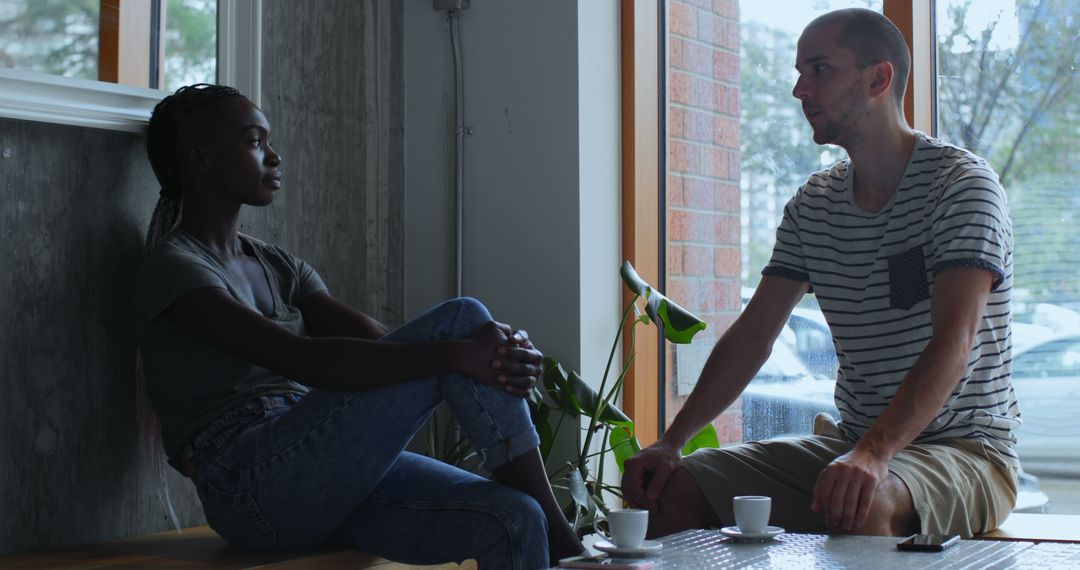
47 98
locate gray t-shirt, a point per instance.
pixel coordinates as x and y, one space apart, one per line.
874 274
190 382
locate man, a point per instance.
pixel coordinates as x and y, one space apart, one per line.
908 247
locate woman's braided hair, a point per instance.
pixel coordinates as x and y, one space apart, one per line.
161 141
165 123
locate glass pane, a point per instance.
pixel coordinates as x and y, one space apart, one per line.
61 37
1008 91
58 38
190 43
738 148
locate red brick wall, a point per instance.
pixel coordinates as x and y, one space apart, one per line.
703 259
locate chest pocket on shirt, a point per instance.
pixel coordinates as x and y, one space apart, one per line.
907 279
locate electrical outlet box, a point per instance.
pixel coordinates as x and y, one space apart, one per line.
448 5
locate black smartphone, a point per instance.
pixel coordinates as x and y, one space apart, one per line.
927 542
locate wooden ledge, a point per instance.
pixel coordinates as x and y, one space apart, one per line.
199 547
1037 528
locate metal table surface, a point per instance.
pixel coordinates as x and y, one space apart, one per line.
693 549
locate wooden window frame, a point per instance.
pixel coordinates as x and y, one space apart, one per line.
122 31
640 120
40 97
641 165
915 20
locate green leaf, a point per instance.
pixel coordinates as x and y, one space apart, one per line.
680 325
577 489
623 444
703 439
633 281
574 396
540 413
677 324
557 383
588 401
584 506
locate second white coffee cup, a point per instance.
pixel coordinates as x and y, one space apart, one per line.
626 527
752 513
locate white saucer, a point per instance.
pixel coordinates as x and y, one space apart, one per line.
647 547
734 533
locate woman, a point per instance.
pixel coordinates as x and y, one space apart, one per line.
291 410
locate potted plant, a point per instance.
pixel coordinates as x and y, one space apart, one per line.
568 394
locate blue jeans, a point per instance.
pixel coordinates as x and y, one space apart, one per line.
295 471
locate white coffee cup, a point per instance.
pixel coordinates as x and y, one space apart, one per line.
626 527
752 513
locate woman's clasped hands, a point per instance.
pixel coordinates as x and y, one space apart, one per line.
499 356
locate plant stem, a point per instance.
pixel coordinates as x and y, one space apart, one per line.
603 383
558 472
613 489
600 467
626 365
433 436
564 468
458 453
569 466
558 426
453 438
594 454
607 427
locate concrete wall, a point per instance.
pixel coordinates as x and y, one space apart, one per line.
541 169
541 239
74 204
333 89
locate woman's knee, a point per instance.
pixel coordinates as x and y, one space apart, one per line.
471 308
468 313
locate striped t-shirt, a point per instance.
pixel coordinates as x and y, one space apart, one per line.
873 274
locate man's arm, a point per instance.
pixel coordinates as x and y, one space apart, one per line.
846 487
734 361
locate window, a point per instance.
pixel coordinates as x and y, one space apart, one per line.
737 148
190 43
50 37
94 62
998 77
1007 89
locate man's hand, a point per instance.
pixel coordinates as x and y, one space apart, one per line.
845 488
647 473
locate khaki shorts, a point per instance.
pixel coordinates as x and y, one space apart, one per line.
960 486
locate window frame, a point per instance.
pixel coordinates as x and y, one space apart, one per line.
640 48
41 97
915 20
